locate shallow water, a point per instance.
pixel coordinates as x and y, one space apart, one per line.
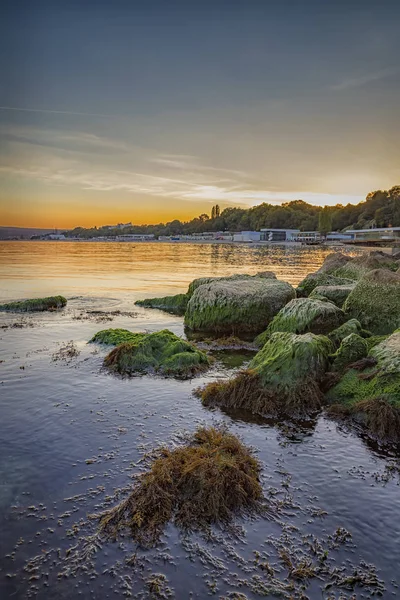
71 435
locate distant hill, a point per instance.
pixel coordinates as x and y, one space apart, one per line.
24 233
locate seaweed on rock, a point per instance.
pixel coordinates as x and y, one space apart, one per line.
302 315
360 265
313 280
375 301
210 480
162 352
351 326
369 390
334 293
333 262
352 349
35 304
282 379
113 337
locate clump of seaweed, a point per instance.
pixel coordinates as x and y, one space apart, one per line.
282 379
352 349
360 265
351 326
35 304
66 353
210 480
334 293
162 352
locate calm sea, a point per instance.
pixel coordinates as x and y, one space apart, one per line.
72 436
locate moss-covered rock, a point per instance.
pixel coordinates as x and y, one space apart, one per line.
375 301
351 326
302 315
114 337
237 305
370 391
360 265
333 262
352 348
173 304
282 379
35 304
313 280
334 293
162 352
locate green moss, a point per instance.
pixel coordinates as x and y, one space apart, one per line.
335 293
162 352
375 301
351 326
35 304
352 348
211 479
314 280
113 337
235 306
173 304
374 340
302 315
282 379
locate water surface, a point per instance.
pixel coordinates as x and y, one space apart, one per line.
71 435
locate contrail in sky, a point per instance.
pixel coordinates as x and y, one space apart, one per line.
55 112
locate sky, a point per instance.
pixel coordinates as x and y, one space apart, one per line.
145 111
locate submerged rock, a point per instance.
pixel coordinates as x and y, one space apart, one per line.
360 265
370 391
375 301
335 293
237 305
281 380
35 304
162 352
352 348
313 280
210 480
302 315
172 304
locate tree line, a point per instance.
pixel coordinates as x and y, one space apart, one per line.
380 209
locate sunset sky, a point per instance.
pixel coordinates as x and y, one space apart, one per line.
146 111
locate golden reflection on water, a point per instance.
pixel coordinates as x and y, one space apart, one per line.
32 269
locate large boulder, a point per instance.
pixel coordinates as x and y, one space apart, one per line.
333 262
375 301
282 379
335 293
162 352
369 391
237 305
360 265
177 304
313 280
302 315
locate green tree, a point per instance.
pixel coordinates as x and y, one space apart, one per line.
325 221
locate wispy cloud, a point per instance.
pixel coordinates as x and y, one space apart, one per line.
146 184
55 112
190 163
354 82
